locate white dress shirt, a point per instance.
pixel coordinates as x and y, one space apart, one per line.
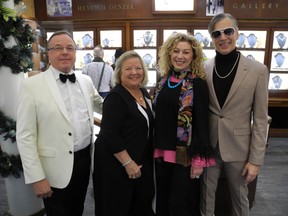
77 109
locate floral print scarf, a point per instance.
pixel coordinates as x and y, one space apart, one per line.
184 123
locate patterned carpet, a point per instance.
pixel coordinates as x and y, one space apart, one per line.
271 194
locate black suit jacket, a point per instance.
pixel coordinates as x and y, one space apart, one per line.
124 125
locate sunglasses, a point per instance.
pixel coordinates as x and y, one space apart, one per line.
227 31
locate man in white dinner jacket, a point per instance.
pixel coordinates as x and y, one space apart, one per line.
55 129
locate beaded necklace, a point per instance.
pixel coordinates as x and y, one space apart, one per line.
181 76
169 84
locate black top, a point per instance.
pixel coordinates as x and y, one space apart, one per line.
124 126
166 113
224 64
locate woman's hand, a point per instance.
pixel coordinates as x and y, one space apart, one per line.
133 170
195 172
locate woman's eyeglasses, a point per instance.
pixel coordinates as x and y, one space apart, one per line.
227 31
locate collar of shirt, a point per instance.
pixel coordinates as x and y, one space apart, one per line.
57 72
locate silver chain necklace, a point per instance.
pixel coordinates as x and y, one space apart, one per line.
223 77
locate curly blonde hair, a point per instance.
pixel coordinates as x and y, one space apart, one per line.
164 63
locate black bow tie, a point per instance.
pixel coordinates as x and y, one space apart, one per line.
64 78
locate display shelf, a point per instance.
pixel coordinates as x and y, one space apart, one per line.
279 56
168 32
111 38
145 38
84 39
149 57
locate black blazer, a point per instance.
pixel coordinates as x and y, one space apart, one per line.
123 126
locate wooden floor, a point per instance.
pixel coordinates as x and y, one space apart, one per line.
272 186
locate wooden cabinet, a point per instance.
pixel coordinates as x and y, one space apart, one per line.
134 26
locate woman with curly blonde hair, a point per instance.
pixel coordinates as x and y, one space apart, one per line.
181 136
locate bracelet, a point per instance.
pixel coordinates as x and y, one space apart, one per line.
126 163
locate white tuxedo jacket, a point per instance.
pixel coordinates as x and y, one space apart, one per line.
44 131
247 101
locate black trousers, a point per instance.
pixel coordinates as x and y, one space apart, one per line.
69 201
117 195
177 193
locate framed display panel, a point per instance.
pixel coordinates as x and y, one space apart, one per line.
279 61
144 38
59 8
279 56
152 78
109 56
84 39
209 53
278 81
255 55
168 32
149 57
173 7
280 40
83 57
252 39
203 37
111 38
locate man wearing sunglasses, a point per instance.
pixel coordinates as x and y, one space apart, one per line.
238 89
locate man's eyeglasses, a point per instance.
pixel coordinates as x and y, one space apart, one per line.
61 49
227 31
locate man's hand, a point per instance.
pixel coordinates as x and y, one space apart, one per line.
250 171
42 189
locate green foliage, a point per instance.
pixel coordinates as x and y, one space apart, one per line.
19 57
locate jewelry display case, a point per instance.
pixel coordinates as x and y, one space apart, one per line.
83 57
278 82
110 40
83 39
168 32
250 43
202 35
267 45
145 44
84 47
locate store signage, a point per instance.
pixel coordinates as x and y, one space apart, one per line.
260 6
258 9
101 7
